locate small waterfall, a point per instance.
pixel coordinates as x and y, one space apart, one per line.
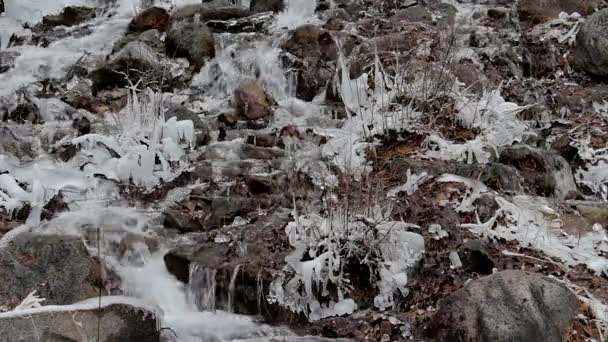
202 287
230 307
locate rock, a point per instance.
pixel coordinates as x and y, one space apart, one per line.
475 257
228 119
311 49
504 307
310 41
417 13
251 101
594 212
208 12
276 6
591 52
259 248
38 262
14 141
71 15
152 38
26 111
496 176
136 60
2 9
193 41
532 12
153 18
117 323
544 172
82 125
7 60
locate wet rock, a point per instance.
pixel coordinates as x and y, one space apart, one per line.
152 38
26 111
471 76
7 60
475 257
82 125
532 12
228 119
251 101
208 12
591 53
193 41
311 49
153 18
255 23
310 41
417 13
496 176
261 153
135 61
110 323
38 262
267 6
594 212
259 249
506 306
263 140
543 171
71 15
204 213
12 142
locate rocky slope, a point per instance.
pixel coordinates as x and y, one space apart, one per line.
269 170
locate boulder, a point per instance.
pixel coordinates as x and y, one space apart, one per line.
153 18
532 12
152 38
58 267
311 49
417 13
193 41
267 6
136 60
544 172
251 101
208 12
79 323
259 249
2 9
71 15
504 307
26 111
591 52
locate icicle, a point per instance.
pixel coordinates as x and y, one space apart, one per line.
231 288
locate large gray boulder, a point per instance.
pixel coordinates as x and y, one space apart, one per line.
508 306
591 54
193 41
58 267
117 323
